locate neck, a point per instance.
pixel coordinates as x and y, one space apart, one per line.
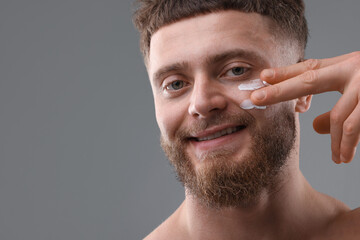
277 213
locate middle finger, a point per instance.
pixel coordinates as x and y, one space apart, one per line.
310 82
342 109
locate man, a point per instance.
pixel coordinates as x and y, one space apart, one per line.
239 160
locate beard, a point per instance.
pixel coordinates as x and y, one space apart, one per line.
223 181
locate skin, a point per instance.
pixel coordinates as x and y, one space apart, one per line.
295 210
316 76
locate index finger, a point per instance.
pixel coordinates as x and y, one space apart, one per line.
308 83
276 75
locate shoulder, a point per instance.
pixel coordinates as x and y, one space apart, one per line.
166 231
171 228
157 234
345 226
162 232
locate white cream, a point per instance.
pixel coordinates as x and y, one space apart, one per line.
247 104
251 86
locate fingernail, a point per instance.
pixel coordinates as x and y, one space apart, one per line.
342 158
259 95
268 73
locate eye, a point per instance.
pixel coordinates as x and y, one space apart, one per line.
175 85
235 71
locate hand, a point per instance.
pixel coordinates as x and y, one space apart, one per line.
315 76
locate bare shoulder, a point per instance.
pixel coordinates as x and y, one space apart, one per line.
162 232
345 226
171 228
158 233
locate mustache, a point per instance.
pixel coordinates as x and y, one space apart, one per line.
199 125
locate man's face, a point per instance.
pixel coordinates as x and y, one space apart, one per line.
224 155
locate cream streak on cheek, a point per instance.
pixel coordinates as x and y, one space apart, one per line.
251 86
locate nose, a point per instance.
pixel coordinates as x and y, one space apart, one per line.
206 99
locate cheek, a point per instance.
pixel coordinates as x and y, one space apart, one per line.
169 118
272 112
237 96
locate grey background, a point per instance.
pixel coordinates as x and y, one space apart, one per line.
79 151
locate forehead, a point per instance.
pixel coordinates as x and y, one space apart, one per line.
193 40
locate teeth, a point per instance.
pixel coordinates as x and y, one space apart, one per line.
228 131
219 134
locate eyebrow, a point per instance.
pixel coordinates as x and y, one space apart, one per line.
236 53
170 68
211 60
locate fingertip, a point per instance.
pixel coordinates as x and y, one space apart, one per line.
335 159
320 129
345 160
348 161
258 96
347 154
267 73
321 124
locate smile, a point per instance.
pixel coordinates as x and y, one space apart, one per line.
219 134
231 137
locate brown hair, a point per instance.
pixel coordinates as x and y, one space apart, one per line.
288 16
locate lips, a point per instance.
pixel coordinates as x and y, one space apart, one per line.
216 133
229 137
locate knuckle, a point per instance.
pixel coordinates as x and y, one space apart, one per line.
354 60
355 54
310 77
276 91
349 128
335 117
312 64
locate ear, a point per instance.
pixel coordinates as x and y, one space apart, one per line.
303 104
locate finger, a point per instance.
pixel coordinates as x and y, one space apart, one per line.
308 83
321 124
350 136
342 109
276 75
